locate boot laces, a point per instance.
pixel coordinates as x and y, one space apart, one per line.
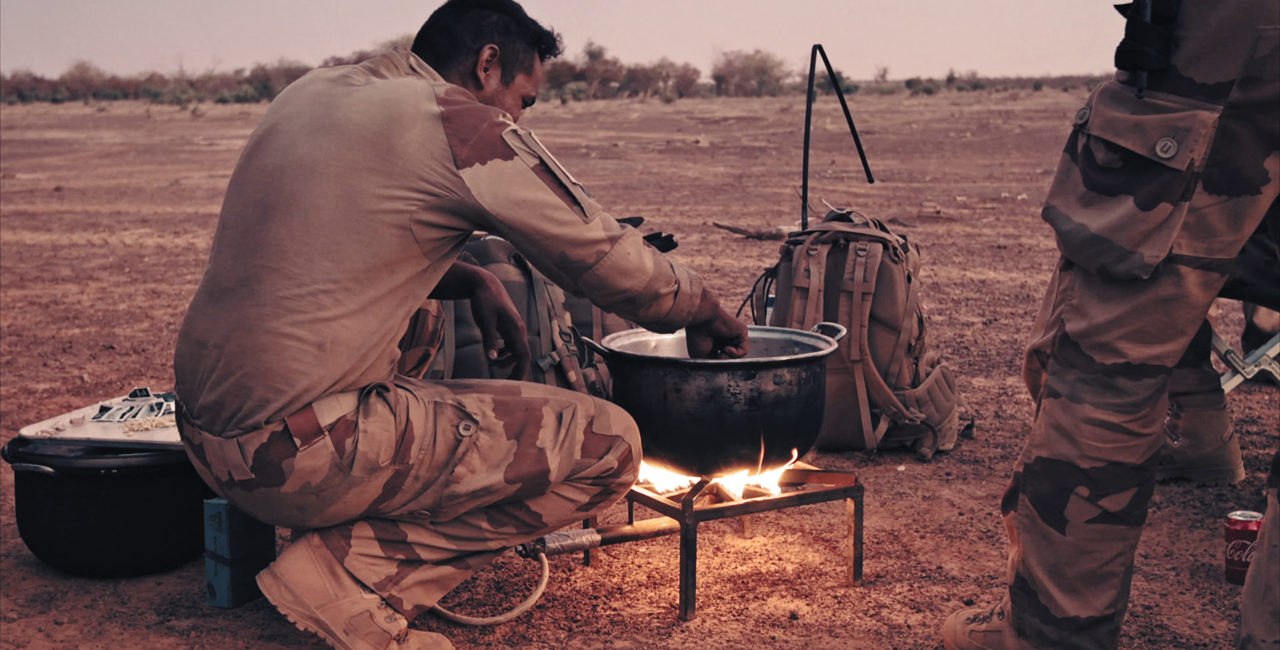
391 615
985 617
1173 423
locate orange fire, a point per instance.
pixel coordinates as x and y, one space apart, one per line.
664 481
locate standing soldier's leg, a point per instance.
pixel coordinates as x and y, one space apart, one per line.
1260 601
1154 197
1256 283
1200 442
1078 498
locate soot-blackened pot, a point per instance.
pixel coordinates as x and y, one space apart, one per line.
711 417
106 512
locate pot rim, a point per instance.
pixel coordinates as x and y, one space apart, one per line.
824 345
28 454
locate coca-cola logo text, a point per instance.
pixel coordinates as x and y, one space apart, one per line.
1240 551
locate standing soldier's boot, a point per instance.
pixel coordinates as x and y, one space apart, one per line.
1200 443
979 628
308 585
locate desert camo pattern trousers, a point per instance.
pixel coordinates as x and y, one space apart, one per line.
1153 199
413 485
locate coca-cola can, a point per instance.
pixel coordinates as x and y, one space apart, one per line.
1241 533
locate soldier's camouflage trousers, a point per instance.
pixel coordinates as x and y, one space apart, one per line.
1153 198
413 485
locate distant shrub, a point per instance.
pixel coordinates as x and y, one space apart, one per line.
749 74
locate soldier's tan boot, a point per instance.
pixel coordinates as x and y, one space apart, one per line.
313 591
1200 443
979 628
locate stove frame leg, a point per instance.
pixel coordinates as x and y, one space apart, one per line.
688 570
853 515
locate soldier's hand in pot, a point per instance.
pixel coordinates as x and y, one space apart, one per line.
505 338
715 333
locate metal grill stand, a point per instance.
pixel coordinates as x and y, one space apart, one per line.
683 511
686 509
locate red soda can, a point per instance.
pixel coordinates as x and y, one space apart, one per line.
1241 533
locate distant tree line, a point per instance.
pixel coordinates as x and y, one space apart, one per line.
84 81
593 74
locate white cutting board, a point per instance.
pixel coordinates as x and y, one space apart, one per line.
139 419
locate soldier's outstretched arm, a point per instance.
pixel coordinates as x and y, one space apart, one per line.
531 200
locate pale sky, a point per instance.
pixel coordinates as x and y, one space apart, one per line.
909 37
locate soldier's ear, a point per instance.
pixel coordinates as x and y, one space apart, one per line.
488 72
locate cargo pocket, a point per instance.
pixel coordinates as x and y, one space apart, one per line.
1128 171
443 446
500 464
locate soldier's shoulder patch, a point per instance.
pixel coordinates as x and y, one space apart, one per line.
549 170
474 130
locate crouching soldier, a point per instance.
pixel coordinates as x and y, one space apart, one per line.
346 211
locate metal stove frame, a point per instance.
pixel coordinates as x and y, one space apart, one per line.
683 507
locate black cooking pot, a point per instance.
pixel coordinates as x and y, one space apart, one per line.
710 417
106 512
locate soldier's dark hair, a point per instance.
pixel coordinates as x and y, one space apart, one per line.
453 35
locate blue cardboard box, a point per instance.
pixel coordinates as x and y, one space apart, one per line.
230 534
230 583
237 547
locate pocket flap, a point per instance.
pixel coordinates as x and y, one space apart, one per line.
1173 131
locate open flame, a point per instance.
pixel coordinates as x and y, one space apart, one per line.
664 481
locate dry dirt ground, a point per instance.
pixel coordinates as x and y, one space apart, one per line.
108 212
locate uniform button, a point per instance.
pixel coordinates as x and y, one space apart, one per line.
1082 115
466 428
1167 148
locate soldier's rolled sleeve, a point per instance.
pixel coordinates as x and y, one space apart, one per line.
686 300
643 285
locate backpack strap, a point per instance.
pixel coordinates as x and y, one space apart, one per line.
855 269
443 367
817 255
869 231
900 346
803 284
881 395
550 333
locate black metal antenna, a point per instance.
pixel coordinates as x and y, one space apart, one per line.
808 120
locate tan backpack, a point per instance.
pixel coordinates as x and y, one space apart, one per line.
885 387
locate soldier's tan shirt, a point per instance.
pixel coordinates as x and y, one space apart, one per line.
350 200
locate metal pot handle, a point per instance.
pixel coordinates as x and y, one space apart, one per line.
25 467
835 331
596 347
32 467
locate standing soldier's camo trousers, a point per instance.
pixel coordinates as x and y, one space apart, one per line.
1153 198
413 485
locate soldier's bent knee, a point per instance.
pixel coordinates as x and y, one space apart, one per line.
611 420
